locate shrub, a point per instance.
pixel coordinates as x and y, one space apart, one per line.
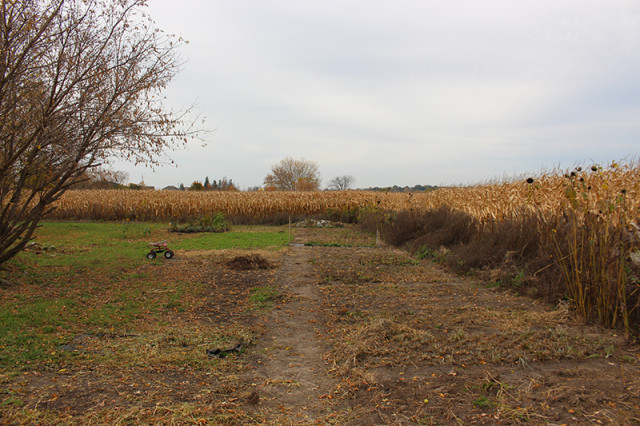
441 226
206 223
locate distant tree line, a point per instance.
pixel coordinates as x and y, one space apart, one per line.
396 188
300 174
223 184
287 175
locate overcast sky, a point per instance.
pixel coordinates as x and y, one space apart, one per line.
403 92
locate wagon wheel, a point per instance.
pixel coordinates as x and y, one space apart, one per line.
168 254
151 255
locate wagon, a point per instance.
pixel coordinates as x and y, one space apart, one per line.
160 247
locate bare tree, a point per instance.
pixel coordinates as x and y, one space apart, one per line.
80 83
342 183
118 176
293 175
99 178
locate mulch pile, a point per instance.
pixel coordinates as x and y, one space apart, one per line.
249 262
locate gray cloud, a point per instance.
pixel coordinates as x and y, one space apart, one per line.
404 92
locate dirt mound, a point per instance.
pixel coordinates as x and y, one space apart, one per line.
249 262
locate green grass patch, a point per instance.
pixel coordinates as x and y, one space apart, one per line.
109 245
206 223
31 331
484 402
90 245
233 240
323 244
94 278
263 297
95 233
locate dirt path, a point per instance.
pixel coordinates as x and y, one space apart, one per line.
409 343
292 377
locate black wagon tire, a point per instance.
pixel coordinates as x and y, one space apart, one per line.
151 255
168 254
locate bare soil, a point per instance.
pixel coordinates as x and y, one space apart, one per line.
291 377
356 335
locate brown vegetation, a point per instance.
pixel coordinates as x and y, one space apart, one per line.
572 236
243 206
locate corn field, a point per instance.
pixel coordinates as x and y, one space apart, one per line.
599 190
186 205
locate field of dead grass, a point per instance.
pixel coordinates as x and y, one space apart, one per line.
414 344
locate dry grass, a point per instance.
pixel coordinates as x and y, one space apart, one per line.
379 337
433 351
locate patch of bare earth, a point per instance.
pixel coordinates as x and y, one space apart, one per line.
292 380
